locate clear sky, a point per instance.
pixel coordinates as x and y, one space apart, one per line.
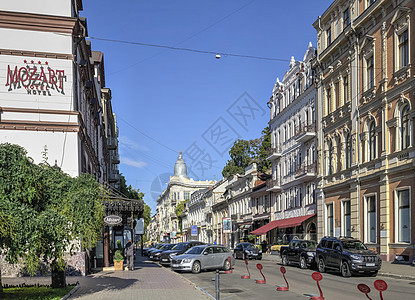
169 100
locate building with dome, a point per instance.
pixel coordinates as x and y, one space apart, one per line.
179 189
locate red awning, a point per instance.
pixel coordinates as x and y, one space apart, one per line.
284 223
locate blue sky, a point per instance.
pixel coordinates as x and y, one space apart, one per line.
168 100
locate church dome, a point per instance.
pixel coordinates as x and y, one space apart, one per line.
180 168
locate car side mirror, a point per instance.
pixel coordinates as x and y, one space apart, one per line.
205 253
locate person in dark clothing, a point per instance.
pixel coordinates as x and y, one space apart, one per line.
129 253
264 246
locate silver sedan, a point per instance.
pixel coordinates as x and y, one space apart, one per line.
202 258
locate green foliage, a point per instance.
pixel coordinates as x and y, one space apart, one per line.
118 256
119 246
243 153
146 215
46 209
36 293
179 210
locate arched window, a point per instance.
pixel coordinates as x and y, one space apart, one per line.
330 158
348 150
372 141
405 130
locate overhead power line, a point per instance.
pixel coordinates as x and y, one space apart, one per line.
187 49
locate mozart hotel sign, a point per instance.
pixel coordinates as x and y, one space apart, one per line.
36 77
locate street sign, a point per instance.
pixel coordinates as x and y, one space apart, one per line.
194 230
112 220
139 228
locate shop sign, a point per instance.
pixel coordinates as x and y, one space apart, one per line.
227 225
194 230
37 77
112 220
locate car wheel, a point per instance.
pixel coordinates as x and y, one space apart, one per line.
259 258
374 274
303 263
345 270
285 260
226 265
196 267
321 266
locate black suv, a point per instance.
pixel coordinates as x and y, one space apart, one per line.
347 255
180 248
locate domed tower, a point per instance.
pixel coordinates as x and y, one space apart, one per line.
180 168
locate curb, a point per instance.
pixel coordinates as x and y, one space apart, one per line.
396 276
71 292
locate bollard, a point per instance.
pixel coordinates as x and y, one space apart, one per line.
217 285
263 281
364 289
283 288
249 274
317 277
230 263
381 286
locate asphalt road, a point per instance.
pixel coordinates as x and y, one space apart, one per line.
301 285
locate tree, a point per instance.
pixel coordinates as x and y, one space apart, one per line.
49 210
243 153
179 210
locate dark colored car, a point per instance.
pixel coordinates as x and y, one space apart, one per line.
155 254
180 248
301 252
247 251
347 255
147 251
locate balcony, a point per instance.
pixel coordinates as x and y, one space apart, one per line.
274 152
115 158
114 177
274 185
111 143
306 172
304 133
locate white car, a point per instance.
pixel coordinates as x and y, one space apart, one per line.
202 258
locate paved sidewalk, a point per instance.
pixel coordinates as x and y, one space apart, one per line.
147 281
389 269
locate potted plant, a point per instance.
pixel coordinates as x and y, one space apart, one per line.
118 261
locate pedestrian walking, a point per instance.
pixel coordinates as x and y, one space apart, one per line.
129 253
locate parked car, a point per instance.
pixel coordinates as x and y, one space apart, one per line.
247 251
301 252
180 248
347 255
156 247
155 254
145 250
203 257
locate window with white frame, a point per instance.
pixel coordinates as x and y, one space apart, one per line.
329 220
403 224
346 97
403 48
328 37
370 73
346 18
348 150
330 158
370 219
372 141
405 128
347 225
328 100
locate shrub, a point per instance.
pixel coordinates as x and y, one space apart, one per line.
118 256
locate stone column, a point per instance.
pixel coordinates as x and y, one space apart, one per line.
355 210
384 216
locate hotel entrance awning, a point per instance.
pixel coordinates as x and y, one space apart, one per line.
284 223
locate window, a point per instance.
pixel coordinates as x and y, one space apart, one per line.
370 73
404 232
348 153
346 18
371 219
330 220
328 36
405 129
330 158
328 100
347 225
403 49
372 141
346 89
337 91
186 195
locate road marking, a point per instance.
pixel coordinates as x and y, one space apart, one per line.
206 292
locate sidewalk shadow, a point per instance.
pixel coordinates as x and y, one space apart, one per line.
95 284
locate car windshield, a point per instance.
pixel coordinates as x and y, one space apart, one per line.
250 246
180 247
353 245
195 250
308 244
